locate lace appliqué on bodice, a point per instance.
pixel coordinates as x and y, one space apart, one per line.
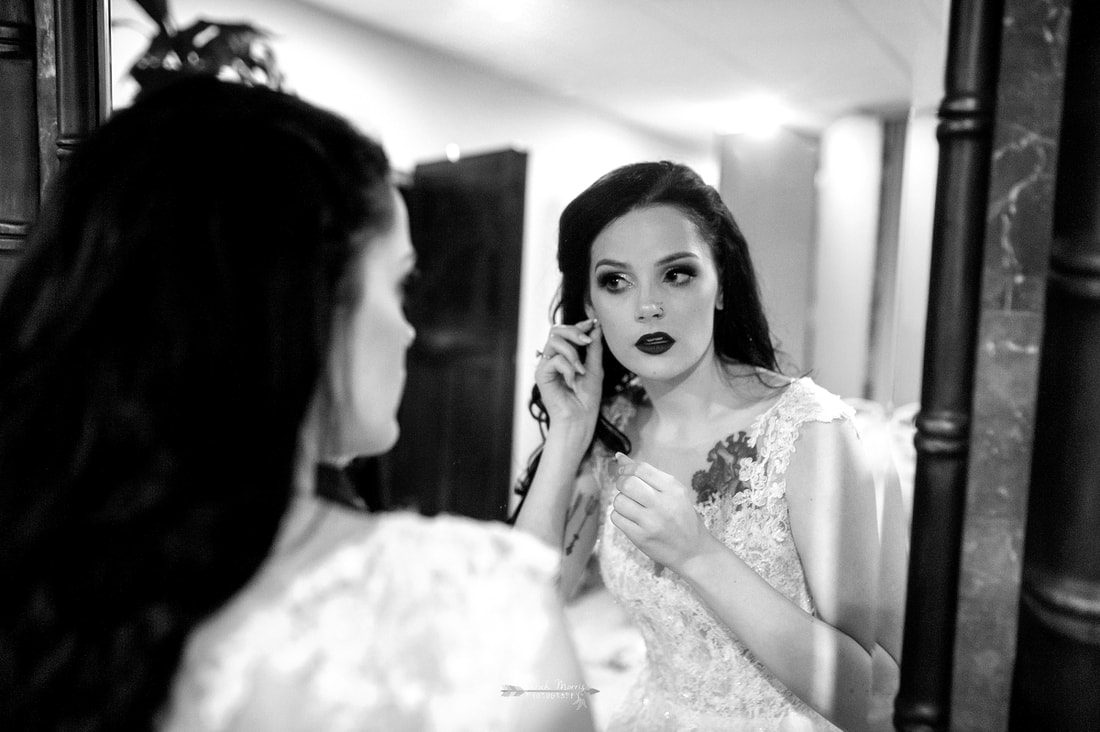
698 676
413 625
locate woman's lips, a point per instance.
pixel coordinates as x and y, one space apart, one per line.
654 343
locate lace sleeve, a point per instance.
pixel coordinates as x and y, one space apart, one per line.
416 626
776 431
773 441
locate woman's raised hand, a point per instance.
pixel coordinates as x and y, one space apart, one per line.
657 513
571 386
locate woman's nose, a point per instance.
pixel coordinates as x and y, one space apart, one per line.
650 310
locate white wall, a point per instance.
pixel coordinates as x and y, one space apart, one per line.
914 255
768 184
849 183
844 274
812 232
417 102
917 208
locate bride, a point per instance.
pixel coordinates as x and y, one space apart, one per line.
208 317
732 508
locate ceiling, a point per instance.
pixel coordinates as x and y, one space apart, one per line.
680 67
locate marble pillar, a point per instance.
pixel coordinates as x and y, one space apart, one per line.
1017 249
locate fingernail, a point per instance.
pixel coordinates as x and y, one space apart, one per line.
585 339
579 367
623 461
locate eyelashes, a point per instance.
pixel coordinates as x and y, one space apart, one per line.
677 276
612 281
681 275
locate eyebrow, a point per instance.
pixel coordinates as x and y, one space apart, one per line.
662 261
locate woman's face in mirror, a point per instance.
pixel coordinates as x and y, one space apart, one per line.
376 338
654 286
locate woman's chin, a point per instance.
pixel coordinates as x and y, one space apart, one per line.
372 442
392 441
384 441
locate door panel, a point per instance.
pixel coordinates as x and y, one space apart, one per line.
454 454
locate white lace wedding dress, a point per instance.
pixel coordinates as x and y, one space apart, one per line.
697 675
380 622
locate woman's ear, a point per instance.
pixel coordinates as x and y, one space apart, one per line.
589 311
720 302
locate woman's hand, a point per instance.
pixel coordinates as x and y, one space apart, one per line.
657 513
570 390
571 387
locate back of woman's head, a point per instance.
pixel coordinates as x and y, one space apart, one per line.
159 345
741 330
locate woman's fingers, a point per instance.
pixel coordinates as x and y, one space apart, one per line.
560 357
556 345
626 525
559 364
650 476
575 334
566 339
636 490
593 359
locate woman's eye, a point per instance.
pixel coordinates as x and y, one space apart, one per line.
612 282
679 276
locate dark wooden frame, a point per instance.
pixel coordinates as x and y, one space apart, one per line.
83 70
54 91
19 173
965 133
1058 649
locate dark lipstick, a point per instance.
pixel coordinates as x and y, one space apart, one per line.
654 343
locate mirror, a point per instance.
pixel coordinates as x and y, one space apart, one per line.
833 212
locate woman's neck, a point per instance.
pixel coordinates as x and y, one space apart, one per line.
314 443
304 512
712 391
305 461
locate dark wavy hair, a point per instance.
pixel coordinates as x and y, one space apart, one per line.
159 345
741 332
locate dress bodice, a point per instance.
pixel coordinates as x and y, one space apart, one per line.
697 674
387 622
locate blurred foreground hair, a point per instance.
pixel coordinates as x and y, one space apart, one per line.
159 346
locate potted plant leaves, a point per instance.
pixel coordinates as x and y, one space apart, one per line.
238 51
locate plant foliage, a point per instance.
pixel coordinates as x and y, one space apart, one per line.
236 51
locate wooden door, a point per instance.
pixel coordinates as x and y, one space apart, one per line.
54 91
19 176
454 453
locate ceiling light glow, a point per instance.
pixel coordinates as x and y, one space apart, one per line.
756 116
